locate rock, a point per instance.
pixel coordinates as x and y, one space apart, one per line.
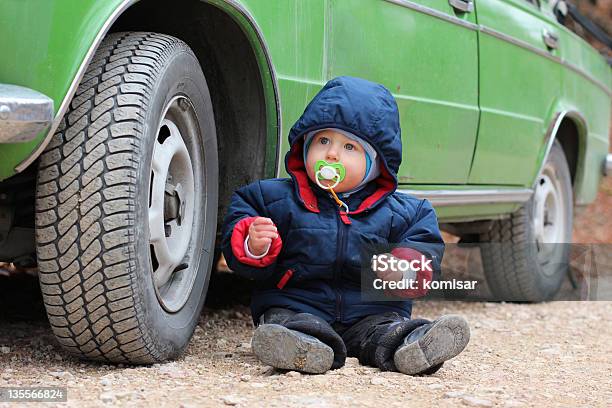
244 347
61 375
57 357
351 362
512 403
172 370
5 349
493 390
245 378
453 394
293 374
307 401
126 395
105 382
231 400
378 381
476 402
107 397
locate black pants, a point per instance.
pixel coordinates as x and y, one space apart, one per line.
373 340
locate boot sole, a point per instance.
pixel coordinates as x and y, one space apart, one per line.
444 340
287 349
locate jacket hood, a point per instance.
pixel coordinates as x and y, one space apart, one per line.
363 108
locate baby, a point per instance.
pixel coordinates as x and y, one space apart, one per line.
300 239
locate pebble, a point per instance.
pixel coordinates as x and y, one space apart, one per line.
476 402
61 374
351 362
5 349
244 347
293 374
107 397
172 370
231 400
378 381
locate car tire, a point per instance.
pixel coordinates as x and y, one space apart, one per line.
126 203
526 256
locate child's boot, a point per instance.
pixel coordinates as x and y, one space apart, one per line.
288 349
429 345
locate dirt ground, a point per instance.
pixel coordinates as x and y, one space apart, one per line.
519 355
550 354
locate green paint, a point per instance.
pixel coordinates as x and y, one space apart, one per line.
474 109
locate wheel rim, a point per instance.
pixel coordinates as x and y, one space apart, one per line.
172 202
548 215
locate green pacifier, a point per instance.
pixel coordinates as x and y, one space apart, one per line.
329 171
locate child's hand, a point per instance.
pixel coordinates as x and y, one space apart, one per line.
261 233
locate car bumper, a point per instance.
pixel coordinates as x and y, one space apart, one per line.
607 166
24 113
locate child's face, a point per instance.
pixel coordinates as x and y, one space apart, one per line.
334 147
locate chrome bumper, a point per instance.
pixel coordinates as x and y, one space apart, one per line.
24 113
608 165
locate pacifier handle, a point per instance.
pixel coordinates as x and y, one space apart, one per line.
330 173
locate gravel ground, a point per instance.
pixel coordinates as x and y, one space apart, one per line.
549 354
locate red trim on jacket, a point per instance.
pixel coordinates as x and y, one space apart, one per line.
297 168
241 230
423 276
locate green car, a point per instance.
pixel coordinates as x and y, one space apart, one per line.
125 127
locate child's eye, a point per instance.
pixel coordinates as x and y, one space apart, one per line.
324 140
349 146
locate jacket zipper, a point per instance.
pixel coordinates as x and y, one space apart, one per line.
283 281
339 264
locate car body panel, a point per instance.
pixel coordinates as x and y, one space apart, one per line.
517 88
423 51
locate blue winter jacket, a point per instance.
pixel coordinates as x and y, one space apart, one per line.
314 266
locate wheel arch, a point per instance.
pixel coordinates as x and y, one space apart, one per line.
569 127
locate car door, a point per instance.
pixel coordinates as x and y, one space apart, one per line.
519 82
425 52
